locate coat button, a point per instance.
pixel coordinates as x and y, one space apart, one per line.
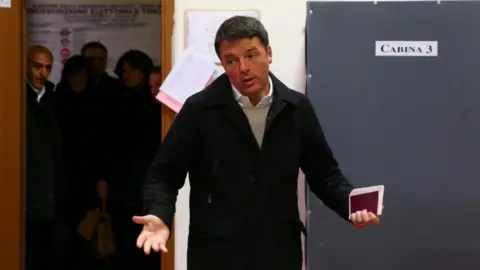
252 179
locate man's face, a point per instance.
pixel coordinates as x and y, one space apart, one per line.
98 60
39 68
246 62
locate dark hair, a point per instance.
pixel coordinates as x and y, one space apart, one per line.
137 60
239 27
74 64
94 45
157 69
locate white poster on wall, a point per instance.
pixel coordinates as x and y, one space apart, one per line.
65 28
5 3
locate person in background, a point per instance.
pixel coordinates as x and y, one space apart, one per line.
104 92
97 54
46 232
243 140
81 146
77 124
139 135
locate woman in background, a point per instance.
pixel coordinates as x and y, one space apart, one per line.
138 138
77 123
82 148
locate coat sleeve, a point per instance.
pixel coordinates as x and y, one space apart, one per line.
322 173
169 169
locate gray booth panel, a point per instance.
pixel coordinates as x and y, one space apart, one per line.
410 123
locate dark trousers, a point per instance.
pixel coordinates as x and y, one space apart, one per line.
127 255
46 245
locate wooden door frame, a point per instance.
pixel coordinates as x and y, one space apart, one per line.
12 127
12 70
168 8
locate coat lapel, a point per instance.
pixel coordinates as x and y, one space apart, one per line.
281 96
222 97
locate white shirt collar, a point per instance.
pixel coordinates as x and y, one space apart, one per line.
245 101
39 92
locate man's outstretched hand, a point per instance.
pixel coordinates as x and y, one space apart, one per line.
154 234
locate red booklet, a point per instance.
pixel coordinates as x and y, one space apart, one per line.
367 198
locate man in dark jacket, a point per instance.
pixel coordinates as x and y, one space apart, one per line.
242 141
45 183
105 105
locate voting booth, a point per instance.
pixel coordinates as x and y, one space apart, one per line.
396 87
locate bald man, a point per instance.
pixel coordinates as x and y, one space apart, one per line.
39 67
45 230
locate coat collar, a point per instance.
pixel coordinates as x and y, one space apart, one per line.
220 92
46 96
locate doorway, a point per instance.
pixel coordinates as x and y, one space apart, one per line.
13 133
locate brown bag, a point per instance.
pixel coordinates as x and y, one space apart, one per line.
96 229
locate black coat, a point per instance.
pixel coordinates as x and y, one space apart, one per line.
83 148
45 182
138 130
243 198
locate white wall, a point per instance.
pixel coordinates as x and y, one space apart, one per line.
285 22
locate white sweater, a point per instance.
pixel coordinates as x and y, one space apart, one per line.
257 117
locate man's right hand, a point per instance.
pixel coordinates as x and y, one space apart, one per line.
154 234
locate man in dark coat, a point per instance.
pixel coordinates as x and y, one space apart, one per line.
45 233
104 91
242 140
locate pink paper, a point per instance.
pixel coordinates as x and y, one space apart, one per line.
169 101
